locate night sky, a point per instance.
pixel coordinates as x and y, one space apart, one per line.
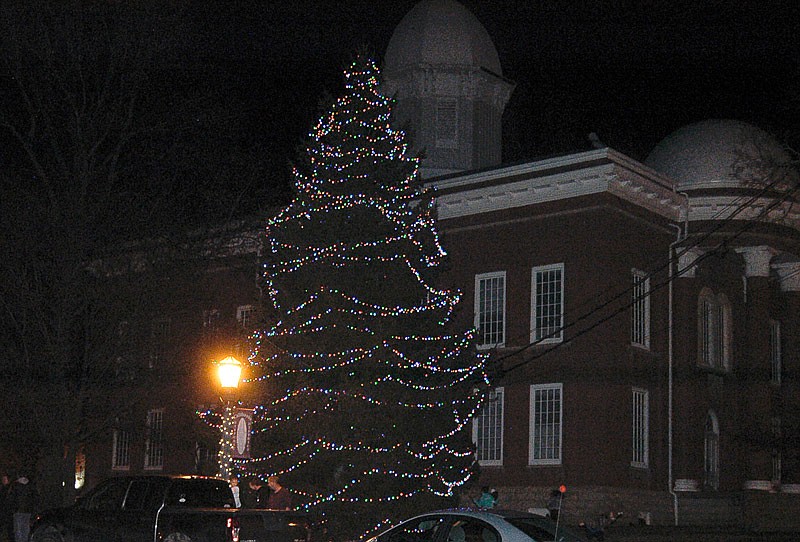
631 71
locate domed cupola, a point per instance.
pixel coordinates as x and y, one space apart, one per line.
444 70
722 154
730 170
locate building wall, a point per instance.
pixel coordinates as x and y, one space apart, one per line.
183 380
599 240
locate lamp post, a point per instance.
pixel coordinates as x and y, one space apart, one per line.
229 371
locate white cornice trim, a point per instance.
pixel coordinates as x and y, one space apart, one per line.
562 177
724 207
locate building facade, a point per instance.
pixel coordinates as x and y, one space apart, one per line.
641 317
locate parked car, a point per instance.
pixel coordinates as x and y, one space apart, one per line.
468 525
166 509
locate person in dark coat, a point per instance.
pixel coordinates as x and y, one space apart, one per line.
23 500
256 494
6 514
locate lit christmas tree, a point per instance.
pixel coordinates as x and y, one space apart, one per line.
368 385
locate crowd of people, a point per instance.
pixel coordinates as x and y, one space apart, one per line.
19 500
272 496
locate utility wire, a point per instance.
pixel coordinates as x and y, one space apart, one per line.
739 207
695 244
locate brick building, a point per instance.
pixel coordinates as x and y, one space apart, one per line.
642 317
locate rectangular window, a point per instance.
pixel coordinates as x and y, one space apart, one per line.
490 309
546 429
776 451
641 423
447 123
487 429
707 328
715 332
121 450
211 322
154 445
205 459
159 342
244 315
640 332
775 351
547 304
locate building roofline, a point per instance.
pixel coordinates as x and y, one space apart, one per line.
556 178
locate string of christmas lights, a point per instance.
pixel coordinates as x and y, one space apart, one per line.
368 384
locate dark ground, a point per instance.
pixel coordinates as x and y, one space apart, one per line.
694 534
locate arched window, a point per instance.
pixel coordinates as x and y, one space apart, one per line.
715 329
711 467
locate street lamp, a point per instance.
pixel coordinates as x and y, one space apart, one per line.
229 371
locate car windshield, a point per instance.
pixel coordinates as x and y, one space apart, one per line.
544 530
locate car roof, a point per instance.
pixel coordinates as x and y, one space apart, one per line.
483 512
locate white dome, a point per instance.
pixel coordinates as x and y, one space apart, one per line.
722 153
441 32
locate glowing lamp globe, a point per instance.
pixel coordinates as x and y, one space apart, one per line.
229 371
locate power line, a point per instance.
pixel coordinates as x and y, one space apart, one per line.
695 244
739 208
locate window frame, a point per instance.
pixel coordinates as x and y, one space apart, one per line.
714 329
775 352
245 315
160 333
534 448
154 442
495 420
121 450
777 456
537 337
711 440
640 309
478 321
211 321
640 428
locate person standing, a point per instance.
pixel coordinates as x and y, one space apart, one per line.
486 500
279 497
256 494
6 514
24 502
234 483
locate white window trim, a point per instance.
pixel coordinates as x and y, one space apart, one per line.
477 312
640 310
640 428
160 332
775 352
777 459
150 445
115 450
711 451
559 336
496 394
244 315
532 419
715 330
